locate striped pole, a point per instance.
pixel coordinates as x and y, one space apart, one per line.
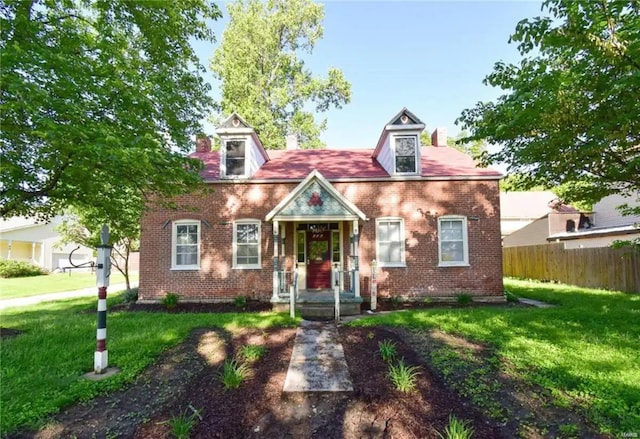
100 358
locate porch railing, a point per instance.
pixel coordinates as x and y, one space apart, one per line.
288 278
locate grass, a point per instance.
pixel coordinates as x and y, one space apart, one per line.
41 369
583 352
403 377
52 283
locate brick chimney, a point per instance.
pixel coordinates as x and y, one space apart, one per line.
203 144
439 137
292 142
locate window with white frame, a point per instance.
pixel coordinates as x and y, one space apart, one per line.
185 245
234 157
452 241
406 155
246 244
390 242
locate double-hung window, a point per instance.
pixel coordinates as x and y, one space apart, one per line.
234 158
406 155
453 247
390 242
246 244
185 245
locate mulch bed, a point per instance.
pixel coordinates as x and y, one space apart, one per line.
186 377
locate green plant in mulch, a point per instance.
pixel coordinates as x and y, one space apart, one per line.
182 424
403 377
233 373
131 295
388 350
171 300
240 301
395 301
456 429
252 352
464 299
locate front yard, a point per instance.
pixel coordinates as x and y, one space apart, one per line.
53 283
581 356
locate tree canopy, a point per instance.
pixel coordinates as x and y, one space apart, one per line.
263 77
98 100
569 114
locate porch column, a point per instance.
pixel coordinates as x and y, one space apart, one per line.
356 259
276 245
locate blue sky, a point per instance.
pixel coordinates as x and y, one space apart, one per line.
428 56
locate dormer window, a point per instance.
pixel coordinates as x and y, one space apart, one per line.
406 154
241 152
235 158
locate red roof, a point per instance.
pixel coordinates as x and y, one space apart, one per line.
342 163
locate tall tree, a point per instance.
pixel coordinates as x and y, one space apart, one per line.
263 77
570 109
98 99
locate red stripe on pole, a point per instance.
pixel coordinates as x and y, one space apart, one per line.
101 346
102 293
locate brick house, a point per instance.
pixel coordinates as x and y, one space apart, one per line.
427 215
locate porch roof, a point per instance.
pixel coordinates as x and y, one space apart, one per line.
315 199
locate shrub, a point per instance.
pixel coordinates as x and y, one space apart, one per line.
131 295
464 299
182 424
511 297
456 429
10 268
240 301
395 301
387 350
252 352
233 373
171 300
403 377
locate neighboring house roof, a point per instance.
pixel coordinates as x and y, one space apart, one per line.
525 205
595 232
436 162
17 223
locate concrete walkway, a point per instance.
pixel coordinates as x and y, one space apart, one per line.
536 303
317 361
50 297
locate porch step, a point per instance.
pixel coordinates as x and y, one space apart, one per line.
320 305
323 306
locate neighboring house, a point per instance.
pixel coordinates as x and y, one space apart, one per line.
519 209
25 239
608 225
579 230
427 215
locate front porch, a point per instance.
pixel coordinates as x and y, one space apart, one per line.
316 234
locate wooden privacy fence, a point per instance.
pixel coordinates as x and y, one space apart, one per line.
599 267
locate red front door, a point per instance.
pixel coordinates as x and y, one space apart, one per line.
319 255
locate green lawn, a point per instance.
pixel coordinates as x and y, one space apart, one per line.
585 352
53 283
41 369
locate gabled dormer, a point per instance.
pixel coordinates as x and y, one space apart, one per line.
398 150
241 152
